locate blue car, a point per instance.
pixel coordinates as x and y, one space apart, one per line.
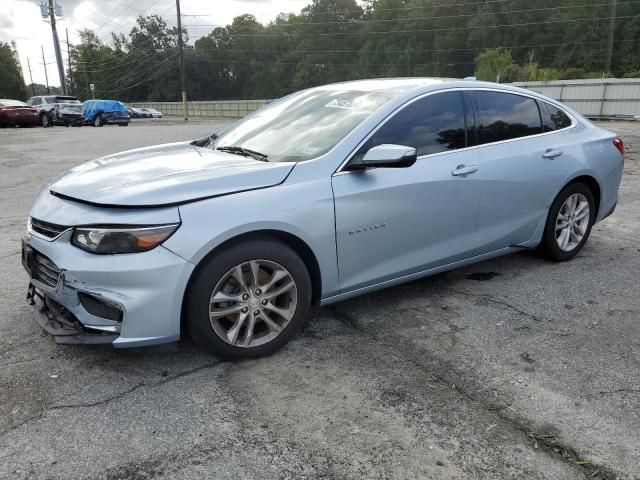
105 112
323 195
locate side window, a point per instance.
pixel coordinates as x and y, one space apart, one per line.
553 118
502 116
432 124
36 101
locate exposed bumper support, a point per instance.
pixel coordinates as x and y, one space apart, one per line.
62 324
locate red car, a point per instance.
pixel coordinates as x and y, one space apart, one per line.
17 113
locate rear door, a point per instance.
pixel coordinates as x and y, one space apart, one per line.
523 163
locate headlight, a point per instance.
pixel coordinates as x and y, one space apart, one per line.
109 240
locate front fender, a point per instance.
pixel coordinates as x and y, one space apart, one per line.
303 209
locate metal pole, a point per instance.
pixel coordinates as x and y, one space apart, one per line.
183 80
69 60
56 47
612 28
46 77
33 87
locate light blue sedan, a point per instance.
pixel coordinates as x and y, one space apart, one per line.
325 194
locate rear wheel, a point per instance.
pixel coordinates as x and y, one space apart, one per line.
98 121
45 120
569 222
249 300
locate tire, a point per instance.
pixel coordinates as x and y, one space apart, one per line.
217 276
560 244
98 121
45 120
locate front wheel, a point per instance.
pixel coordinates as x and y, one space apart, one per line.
98 121
569 222
249 300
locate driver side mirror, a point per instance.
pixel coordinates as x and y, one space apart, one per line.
390 156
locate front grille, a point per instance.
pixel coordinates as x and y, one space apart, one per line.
46 229
44 270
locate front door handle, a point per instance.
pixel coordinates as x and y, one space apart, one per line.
552 153
464 170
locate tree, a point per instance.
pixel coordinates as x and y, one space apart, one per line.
493 63
11 81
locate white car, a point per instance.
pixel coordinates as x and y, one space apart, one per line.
153 112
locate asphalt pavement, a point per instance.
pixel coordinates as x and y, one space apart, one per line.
512 368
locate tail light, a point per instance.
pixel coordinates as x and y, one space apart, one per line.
619 144
8 109
33 110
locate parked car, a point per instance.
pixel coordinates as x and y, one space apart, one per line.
139 113
326 194
105 112
17 113
57 110
153 112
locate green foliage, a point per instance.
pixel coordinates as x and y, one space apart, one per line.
337 40
11 81
493 64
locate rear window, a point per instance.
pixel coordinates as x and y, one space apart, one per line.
553 118
503 116
62 100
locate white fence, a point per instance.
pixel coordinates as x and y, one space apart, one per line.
596 98
206 109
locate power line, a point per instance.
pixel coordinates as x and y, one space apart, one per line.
449 29
399 19
379 9
423 50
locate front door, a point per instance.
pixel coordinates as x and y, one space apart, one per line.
392 222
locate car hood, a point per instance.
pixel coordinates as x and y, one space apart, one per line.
163 175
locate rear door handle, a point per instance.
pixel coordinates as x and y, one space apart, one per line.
552 153
464 170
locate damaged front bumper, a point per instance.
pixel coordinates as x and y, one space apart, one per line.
126 300
61 323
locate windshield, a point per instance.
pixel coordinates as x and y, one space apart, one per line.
304 125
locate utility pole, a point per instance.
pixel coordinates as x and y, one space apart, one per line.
33 87
46 77
612 27
183 80
51 10
69 60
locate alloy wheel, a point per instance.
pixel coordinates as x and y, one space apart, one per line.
253 303
572 222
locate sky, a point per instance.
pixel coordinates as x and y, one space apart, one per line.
21 22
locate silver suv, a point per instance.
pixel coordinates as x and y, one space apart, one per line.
57 110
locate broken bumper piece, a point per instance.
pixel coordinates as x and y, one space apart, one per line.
61 323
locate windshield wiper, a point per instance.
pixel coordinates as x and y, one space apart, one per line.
245 152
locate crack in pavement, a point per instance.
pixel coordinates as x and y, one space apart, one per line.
619 390
492 299
117 396
550 443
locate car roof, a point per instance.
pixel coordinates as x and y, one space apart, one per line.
419 85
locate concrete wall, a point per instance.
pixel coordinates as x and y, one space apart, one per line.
206 109
598 98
